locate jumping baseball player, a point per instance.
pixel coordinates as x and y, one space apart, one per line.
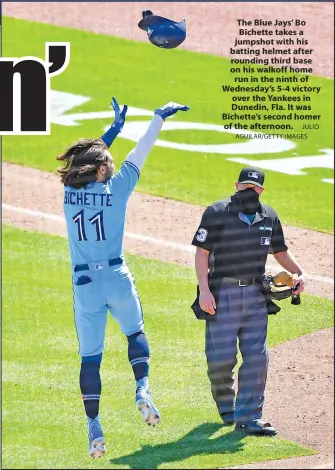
95 202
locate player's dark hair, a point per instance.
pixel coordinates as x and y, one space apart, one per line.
81 162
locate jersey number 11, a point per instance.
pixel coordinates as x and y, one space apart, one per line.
96 220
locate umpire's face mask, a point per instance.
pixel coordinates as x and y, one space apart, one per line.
247 200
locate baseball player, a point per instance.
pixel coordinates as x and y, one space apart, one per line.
95 202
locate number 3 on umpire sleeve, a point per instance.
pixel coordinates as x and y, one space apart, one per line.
97 220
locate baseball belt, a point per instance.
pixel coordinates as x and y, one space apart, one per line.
243 282
85 267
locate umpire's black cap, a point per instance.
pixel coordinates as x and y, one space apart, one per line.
253 176
161 31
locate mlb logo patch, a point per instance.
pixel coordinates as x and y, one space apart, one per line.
265 241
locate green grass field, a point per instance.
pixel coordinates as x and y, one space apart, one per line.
43 418
147 77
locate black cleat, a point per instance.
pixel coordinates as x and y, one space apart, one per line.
257 428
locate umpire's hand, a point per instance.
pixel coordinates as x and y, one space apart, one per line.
299 285
207 302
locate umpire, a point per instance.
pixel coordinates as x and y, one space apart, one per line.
233 241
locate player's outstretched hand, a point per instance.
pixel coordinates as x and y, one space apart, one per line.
117 126
169 109
120 116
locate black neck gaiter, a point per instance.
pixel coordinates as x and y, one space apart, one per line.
247 201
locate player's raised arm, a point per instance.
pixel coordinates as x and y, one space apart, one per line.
117 126
139 154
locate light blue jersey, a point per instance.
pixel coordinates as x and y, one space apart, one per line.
102 281
95 216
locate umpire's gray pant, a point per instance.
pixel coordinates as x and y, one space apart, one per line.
241 313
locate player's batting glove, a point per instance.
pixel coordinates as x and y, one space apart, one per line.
117 126
120 116
170 109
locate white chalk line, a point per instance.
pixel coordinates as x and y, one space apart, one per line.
142 238
131 235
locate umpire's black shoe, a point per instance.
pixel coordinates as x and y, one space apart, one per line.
257 428
228 418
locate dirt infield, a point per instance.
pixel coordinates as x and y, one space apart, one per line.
299 396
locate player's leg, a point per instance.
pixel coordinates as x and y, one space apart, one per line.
90 386
126 309
90 320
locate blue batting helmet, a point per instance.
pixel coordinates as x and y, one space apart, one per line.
161 31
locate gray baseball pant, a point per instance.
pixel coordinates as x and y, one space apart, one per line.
241 314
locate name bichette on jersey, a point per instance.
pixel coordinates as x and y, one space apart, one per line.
81 198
